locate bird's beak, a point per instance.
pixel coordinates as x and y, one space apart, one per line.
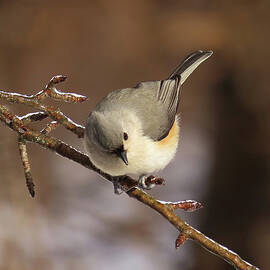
123 156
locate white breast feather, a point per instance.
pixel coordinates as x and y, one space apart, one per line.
147 156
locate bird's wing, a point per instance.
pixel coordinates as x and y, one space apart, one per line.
168 95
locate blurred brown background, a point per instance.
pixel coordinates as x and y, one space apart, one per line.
75 221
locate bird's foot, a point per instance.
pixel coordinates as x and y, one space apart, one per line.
116 186
150 181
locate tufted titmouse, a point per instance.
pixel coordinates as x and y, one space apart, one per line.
135 130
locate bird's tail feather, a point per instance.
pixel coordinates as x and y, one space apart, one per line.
190 63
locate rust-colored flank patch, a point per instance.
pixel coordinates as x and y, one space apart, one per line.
172 138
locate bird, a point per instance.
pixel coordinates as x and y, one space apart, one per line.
135 131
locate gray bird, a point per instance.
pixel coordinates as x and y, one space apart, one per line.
135 131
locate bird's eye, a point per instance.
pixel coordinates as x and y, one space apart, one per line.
125 136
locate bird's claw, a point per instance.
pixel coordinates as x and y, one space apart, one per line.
116 186
150 182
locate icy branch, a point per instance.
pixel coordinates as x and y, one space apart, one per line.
127 184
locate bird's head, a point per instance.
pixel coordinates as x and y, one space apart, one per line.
112 132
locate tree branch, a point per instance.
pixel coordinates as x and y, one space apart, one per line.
127 184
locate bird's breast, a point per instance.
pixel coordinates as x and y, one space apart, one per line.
147 156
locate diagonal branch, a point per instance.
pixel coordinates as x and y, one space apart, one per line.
127 184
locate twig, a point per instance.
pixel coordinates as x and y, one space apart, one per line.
187 205
166 209
180 240
26 166
55 114
10 120
33 117
49 128
52 92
